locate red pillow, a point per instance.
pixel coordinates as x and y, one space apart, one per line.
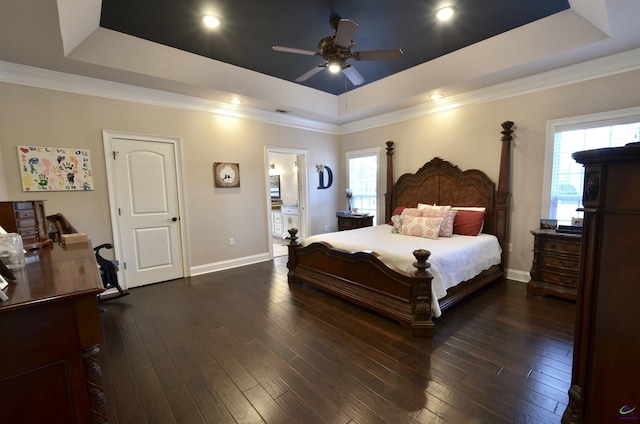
398 211
468 223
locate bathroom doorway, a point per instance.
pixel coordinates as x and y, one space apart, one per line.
286 195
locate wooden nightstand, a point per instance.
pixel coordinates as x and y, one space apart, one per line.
349 222
556 257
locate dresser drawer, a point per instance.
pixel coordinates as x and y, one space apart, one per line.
559 246
27 232
22 205
561 279
26 223
25 214
558 262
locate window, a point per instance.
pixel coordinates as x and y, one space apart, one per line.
362 180
562 193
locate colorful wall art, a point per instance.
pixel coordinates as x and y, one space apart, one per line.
55 169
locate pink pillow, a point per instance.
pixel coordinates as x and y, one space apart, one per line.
398 211
446 229
421 227
468 223
411 212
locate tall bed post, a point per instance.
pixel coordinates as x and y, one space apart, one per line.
503 196
387 195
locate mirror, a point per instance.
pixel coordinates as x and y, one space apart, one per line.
274 186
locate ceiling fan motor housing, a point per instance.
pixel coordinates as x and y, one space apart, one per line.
329 48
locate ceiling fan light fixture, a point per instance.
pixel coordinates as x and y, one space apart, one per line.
445 13
211 21
235 101
334 67
436 96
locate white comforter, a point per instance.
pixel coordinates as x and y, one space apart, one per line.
453 259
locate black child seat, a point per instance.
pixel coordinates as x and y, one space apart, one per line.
108 272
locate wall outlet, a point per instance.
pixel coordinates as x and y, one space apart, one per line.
232 241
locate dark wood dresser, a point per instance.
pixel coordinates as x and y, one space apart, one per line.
555 264
350 222
50 329
605 383
28 219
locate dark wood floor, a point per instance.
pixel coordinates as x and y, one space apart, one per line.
241 346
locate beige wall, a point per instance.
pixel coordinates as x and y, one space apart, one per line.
35 116
470 138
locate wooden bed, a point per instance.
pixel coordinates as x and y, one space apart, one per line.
366 279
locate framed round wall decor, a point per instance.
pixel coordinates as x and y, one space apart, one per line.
226 174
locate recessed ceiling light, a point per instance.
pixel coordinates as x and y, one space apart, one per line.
235 101
211 21
435 96
445 14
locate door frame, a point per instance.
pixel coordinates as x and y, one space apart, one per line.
303 205
107 137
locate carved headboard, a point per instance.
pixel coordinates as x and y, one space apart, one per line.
443 183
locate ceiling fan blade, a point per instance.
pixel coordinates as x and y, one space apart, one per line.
292 50
378 55
311 72
344 32
353 75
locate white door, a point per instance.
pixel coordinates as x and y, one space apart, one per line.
146 190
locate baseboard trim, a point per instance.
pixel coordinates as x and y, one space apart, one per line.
518 275
233 263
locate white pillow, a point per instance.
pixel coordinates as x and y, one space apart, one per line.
469 208
421 227
434 206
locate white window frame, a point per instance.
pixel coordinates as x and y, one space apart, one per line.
363 153
615 117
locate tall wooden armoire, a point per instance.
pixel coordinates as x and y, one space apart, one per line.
605 386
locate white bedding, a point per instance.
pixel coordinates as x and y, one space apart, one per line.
453 259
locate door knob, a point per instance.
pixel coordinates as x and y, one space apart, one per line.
174 219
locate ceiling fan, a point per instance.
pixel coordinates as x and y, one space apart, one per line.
337 49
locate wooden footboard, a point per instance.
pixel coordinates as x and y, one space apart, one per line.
365 279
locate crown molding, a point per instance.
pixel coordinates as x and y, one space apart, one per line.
597 68
53 80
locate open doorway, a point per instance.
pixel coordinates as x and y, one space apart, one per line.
286 195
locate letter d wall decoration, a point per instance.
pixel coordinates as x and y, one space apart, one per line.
321 184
